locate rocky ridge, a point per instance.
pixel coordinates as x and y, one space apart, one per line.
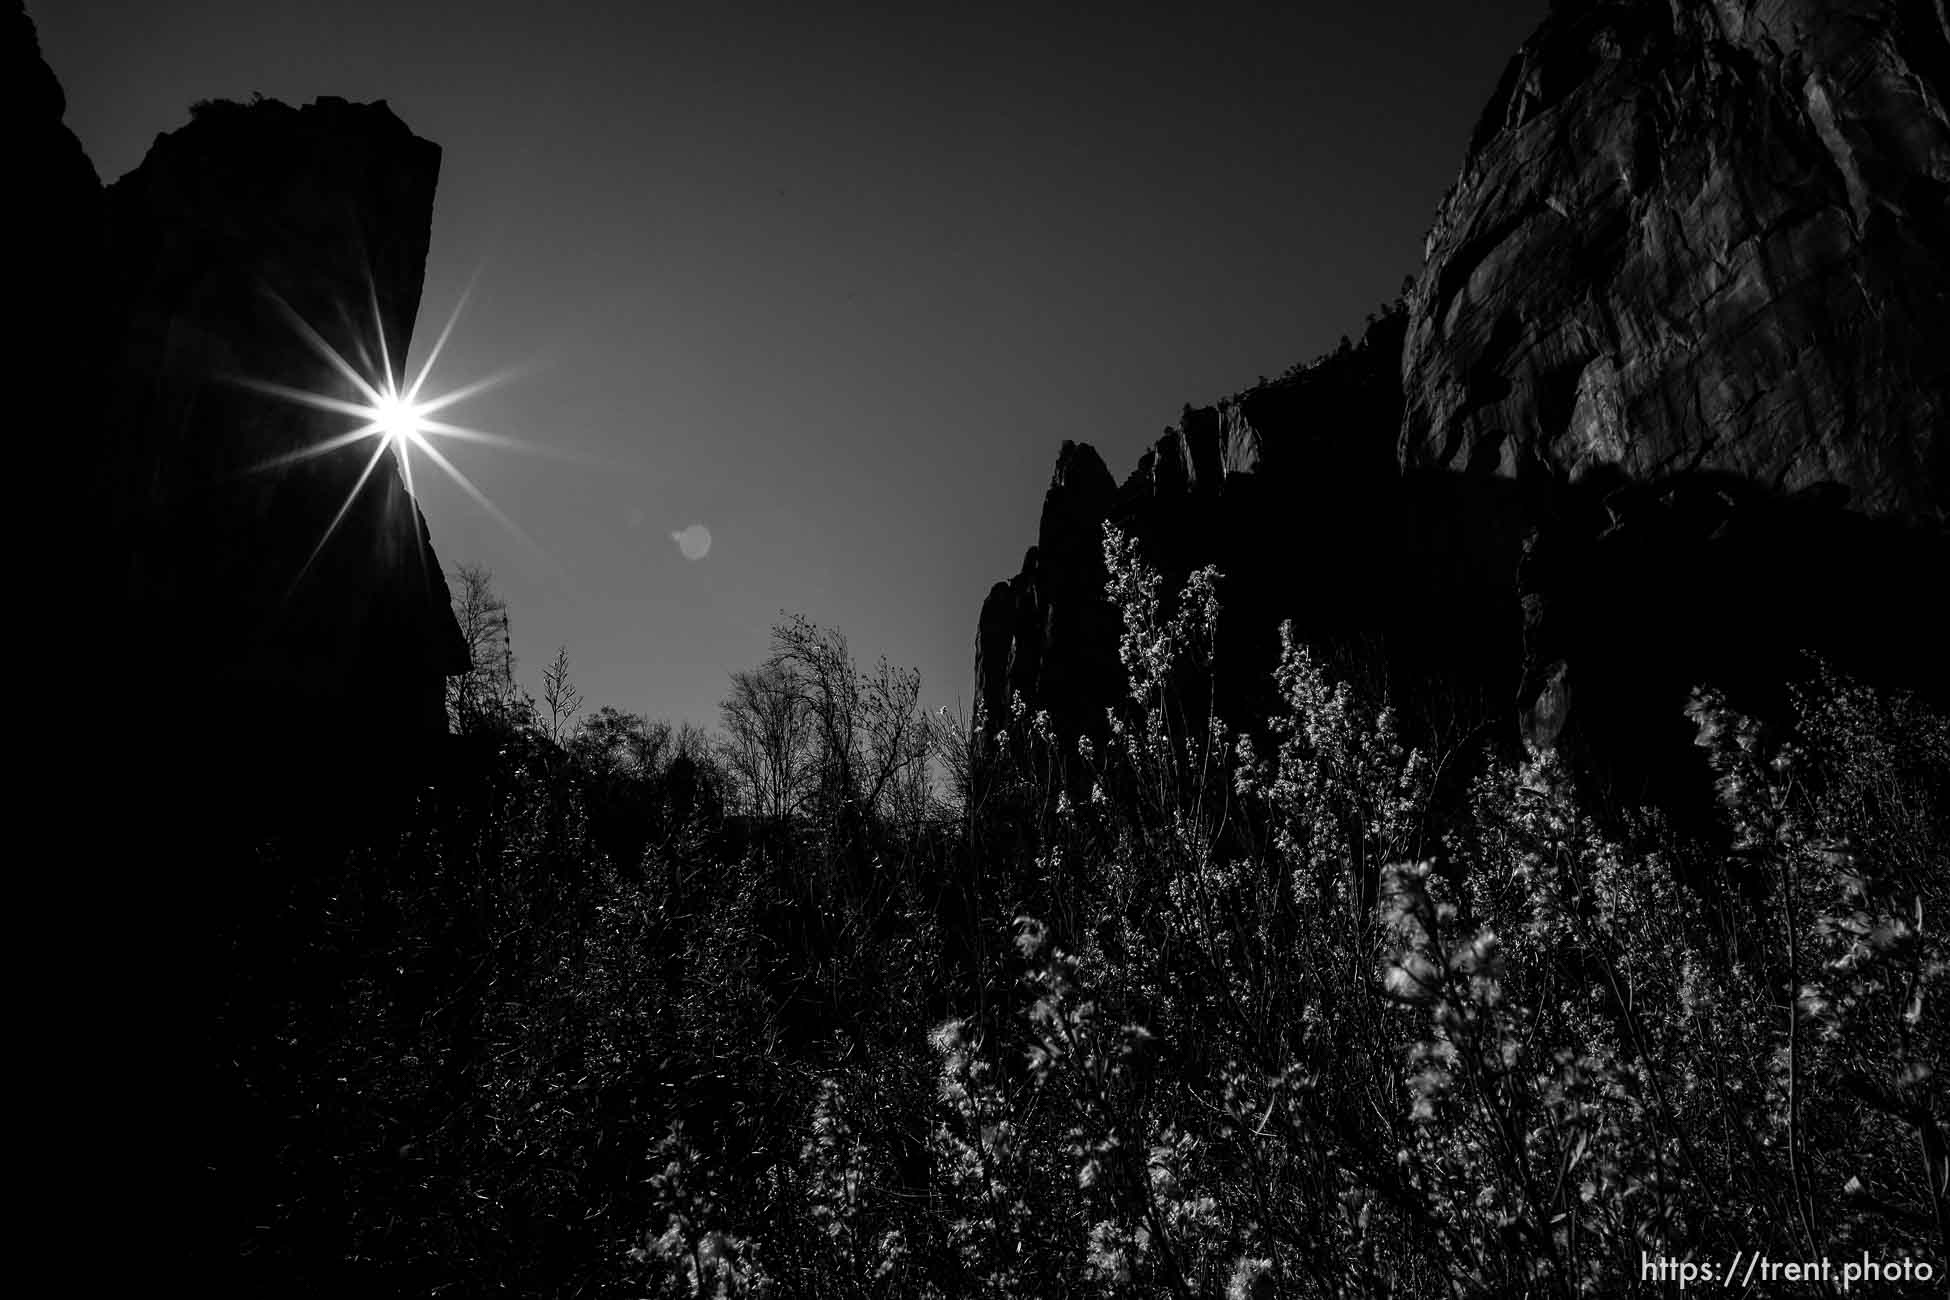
1667 403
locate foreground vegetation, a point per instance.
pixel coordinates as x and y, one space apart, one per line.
836 1003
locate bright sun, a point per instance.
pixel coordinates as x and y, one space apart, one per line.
399 419
393 417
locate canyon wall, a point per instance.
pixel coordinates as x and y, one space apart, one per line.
171 510
1666 404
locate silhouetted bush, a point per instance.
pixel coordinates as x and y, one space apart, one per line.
1169 1015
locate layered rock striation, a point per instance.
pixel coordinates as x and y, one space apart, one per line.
1667 403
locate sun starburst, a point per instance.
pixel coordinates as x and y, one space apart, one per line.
393 418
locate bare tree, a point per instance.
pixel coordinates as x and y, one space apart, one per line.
613 742
767 741
814 668
952 746
559 694
895 744
867 744
487 689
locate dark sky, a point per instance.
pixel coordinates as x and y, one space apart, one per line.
836 282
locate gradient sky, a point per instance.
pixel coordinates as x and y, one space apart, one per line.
835 282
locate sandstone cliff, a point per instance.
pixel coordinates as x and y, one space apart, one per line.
1667 403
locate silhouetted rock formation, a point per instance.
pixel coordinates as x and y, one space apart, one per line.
1668 403
239 674
1050 635
189 692
230 227
173 594
54 275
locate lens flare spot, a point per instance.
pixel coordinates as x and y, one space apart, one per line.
694 542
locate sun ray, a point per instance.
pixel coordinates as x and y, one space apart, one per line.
350 497
316 450
325 350
466 434
465 391
480 498
363 356
413 501
395 420
462 433
317 401
440 343
379 329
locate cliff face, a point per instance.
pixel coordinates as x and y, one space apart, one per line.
230 228
55 297
182 599
1667 403
184 693
1701 237
1292 491
1693 288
